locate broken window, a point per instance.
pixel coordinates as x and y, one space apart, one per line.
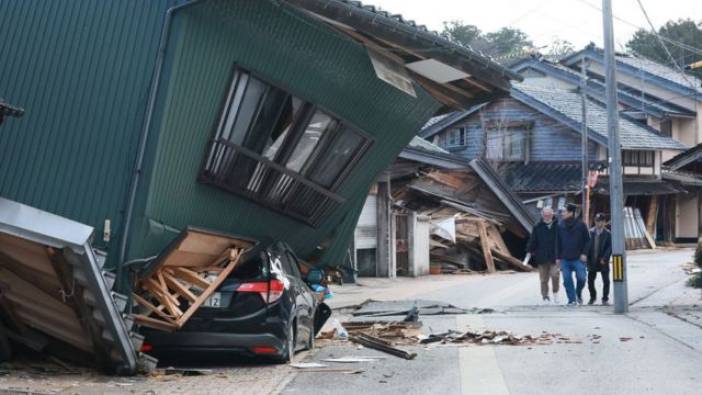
279 150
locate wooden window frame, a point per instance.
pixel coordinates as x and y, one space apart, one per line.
299 123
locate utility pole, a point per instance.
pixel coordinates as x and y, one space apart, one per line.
585 191
619 274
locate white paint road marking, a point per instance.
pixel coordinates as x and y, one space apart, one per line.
477 365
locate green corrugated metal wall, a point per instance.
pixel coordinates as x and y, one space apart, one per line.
81 69
309 58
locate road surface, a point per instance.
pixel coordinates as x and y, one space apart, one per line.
656 349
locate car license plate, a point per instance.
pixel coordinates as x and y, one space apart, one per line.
215 300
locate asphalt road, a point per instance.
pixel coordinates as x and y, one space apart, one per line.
655 349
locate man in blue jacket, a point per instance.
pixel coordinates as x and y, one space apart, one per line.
573 245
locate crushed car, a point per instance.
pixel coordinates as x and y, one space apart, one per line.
256 303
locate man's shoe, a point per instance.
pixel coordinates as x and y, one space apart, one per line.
556 299
572 304
546 300
580 300
592 301
605 302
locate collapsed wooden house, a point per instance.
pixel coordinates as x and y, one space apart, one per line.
445 214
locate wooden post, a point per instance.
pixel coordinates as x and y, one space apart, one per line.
382 252
651 216
485 244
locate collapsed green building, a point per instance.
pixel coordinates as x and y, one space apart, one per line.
264 118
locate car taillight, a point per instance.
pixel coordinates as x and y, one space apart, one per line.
146 347
263 350
270 291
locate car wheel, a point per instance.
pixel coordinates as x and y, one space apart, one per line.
289 352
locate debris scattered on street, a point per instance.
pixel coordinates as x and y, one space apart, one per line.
495 337
187 372
308 365
381 345
352 359
374 308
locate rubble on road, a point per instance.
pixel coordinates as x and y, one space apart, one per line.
492 337
375 308
381 345
468 221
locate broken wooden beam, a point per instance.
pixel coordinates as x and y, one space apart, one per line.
381 345
485 244
512 261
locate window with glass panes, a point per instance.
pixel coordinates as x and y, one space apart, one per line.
280 150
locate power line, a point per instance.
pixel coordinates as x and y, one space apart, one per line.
665 47
687 47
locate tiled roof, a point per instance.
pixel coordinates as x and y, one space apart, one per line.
567 103
597 88
418 29
662 71
541 176
684 158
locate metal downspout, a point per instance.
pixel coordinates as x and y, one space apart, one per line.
155 85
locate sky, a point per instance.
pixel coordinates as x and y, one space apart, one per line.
577 21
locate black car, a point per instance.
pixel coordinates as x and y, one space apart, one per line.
264 308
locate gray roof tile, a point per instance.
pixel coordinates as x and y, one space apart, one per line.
567 103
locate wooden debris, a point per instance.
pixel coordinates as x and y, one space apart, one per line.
381 345
173 291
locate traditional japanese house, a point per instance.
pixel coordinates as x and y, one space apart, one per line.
533 139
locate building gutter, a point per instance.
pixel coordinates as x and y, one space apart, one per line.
155 87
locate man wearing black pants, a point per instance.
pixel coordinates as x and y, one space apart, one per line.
598 259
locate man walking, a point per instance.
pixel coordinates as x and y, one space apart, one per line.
542 247
573 244
598 259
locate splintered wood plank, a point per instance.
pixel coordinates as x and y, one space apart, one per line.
190 276
164 298
484 243
149 306
181 289
512 261
496 239
155 323
208 292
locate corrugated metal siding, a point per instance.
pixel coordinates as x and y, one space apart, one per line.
81 69
549 139
308 58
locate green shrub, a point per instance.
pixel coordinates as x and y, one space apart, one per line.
698 254
695 281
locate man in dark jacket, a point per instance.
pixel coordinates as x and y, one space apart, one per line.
573 245
598 258
542 248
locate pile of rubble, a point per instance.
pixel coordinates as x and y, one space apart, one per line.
468 222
